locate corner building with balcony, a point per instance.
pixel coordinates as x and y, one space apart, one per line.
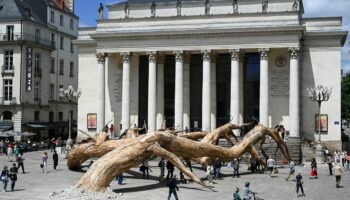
200 64
37 59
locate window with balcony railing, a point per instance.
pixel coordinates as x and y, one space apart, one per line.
52 91
8 60
71 69
53 40
37 65
52 65
10 32
37 35
62 42
37 91
61 20
52 16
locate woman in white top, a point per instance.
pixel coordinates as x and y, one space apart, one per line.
209 170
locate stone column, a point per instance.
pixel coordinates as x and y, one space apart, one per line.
178 125
152 76
160 91
235 88
206 106
213 92
101 59
186 92
126 92
294 93
264 87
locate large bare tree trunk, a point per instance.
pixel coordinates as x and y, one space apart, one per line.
132 153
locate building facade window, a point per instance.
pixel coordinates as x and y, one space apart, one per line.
10 32
37 62
52 91
36 115
71 24
8 60
61 20
71 47
51 114
53 40
7 90
37 91
52 65
62 42
52 16
71 69
59 90
60 116
61 67
7 115
37 35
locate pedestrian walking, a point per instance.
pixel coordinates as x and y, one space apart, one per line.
44 163
337 172
247 191
209 170
330 164
313 173
55 159
347 161
270 164
236 168
170 168
161 166
16 151
236 194
4 178
299 184
337 157
217 169
173 188
146 173
53 145
120 178
20 160
13 176
9 152
291 169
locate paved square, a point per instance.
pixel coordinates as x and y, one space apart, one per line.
34 185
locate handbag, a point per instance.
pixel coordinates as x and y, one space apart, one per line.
3 178
41 165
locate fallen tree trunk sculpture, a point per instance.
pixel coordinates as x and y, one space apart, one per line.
118 156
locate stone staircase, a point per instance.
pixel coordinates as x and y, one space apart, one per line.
269 148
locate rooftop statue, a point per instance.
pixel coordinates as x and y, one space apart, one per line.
178 7
265 5
100 11
153 9
207 7
126 10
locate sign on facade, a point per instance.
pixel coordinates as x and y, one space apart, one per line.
29 69
91 121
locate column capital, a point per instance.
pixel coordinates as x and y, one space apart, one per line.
101 58
294 52
126 56
152 56
264 53
179 56
206 54
235 54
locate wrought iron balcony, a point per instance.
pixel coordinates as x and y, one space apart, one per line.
8 70
8 101
27 37
37 72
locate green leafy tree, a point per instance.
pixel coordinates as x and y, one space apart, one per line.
345 96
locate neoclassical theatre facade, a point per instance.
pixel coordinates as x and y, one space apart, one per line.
199 64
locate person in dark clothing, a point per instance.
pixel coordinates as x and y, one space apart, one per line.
330 165
13 176
20 162
299 183
170 168
55 160
217 168
173 187
4 178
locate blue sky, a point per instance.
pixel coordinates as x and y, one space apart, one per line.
87 11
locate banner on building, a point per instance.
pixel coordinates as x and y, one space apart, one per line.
91 121
29 69
323 123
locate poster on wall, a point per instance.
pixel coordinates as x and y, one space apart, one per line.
323 124
91 121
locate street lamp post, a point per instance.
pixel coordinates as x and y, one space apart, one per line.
70 96
319 94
